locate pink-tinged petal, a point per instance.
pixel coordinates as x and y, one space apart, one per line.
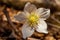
27 31
29 7
42 27
21 17
44 13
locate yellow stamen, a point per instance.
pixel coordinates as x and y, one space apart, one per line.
33 18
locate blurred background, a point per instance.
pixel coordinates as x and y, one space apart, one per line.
11 29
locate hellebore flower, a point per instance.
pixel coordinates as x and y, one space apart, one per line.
34 19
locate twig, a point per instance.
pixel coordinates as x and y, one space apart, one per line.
9 20
54 25
53 17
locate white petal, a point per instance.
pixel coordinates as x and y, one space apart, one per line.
44 13
29 7
27 31
42 27
21 17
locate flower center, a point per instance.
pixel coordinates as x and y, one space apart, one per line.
33 19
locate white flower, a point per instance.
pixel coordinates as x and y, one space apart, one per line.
34 19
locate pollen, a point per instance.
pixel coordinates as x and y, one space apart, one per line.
33 19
